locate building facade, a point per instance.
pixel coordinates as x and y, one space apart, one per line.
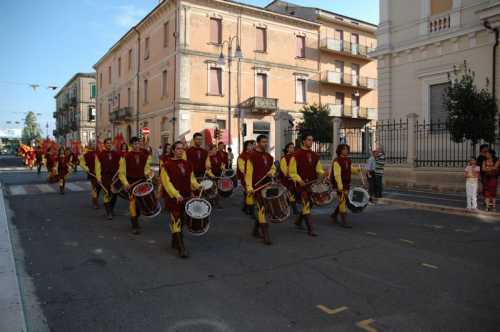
171 72
419 45
75 113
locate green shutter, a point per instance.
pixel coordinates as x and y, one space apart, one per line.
92 91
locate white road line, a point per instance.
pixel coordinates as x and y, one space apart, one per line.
73 187
426 197
17 190
45 188
430 266
84 185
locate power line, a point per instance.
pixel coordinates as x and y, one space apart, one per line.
34 86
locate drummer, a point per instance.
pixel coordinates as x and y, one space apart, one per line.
248 147
305 167
178 180
135 167
197 156
259 170
63 167
214 167
340 177
87 163
107 163
285 178
223 155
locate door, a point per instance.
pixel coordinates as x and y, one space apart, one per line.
355 74
354 43
339 103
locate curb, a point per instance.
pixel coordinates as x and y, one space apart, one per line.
12 316
490 217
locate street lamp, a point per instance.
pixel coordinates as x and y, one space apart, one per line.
238 55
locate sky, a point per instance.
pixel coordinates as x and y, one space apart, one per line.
46 42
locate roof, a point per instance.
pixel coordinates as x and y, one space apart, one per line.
77 75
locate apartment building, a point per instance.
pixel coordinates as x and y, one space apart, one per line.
171 72
419 44
75 113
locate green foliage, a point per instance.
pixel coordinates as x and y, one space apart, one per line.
31 128
471 113
317 122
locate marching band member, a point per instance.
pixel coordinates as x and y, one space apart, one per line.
51 163
340 177
285 175
305 167
259 168
87 163
107 163
38 158
135 167
214 166
63 167
123 149
197 156
178 180
223 155
248 147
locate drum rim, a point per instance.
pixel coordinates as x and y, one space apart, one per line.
158 211
151 186
195 199
365 200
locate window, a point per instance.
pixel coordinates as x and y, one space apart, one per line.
109 74
146 48
164 83
118 100
215 81
109 107
92 91
216 30
165 34
339 34
261 85
91 114
301 47
355 74
145 91
100 80
261 128
261 40
300 90
438 111
119 67
130 59
440 6
129 97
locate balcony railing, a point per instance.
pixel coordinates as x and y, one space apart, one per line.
354 112
260 104
73 101
346 47
357 81
439 23
121 115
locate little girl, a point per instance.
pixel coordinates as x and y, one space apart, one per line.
471 181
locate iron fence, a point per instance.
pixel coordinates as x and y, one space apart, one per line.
392 137
323 149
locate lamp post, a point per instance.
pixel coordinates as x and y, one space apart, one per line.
221 61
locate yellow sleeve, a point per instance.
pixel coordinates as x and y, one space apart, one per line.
241 165
147 168
319 169
83 164
337 173
122 172
194 183
273 170
292 171
249 175
208 167
167 184
283 167
98 170
184 155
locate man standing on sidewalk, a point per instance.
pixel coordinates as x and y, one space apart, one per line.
379 171
371 165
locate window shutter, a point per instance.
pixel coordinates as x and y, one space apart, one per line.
261 39
215 30
215 83
261 85
300 90
301 46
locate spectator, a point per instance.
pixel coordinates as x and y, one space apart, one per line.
490 170
472 175
379 171
230 157
159 152
370 168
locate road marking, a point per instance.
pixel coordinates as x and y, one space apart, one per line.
45 188
84 185
331 311
365 325
430 266
17 190
407 241
460 230
371 233
73 187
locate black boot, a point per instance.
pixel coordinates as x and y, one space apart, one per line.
112 204
61 190
298 222
95 203
136 230
181 248
343 222
295 210
255 231
109 215
310 227
334 216
173 243
265 233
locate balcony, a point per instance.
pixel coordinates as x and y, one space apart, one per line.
354 112
260 105
121 115
439 23
344 47
349 80
72 101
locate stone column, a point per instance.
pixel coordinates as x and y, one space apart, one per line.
280 125
337 122
411 154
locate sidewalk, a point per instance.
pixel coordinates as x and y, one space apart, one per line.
452 203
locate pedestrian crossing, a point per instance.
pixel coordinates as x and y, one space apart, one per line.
45 188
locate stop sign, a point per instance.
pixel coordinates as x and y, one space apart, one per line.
146 131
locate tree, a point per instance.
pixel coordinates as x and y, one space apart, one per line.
317 121
31 128
471 112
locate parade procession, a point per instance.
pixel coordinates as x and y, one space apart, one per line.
191 180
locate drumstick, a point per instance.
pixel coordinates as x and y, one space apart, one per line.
262 187
263 178
100 184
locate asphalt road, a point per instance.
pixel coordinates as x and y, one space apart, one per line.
396 270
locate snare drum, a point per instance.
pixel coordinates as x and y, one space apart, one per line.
275 200
117 188
146 198
321 193
231 174
225 187
198 212
209 189
357 199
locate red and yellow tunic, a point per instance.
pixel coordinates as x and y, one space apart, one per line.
51 161
197 157
214 165
241 166
87 161
305 167
63 165
260 164
178 180
340 174
224 157
285 179
107 164
134 166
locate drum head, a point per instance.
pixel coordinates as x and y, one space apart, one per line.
206 184
273 191
229 173
198 208
143 189
225 184
357 199
320 187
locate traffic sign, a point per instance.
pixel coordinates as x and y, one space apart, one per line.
146 131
